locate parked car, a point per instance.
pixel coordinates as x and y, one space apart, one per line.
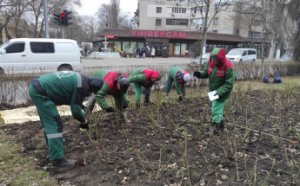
241 55
286 57
39 55
196 61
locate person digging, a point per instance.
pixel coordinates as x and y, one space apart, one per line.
115 84
60 88
221 77
180 77
143 78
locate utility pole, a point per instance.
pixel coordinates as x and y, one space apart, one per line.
46 19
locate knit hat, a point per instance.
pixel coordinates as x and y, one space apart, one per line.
95 84
124 84
187 77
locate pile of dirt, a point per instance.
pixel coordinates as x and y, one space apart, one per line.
172 143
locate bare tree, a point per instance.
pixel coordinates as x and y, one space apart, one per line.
276 21
109 16
7 13
271 16
208 16
19 9
294 12
114 13
86 28
36 7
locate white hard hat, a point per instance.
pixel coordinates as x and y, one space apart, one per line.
187 77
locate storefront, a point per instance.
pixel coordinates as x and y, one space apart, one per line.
166 43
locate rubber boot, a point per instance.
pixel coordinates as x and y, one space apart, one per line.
218 128
59 163
221 125
147 100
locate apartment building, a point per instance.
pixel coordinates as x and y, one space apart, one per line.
186 15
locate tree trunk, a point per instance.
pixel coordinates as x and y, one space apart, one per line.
42 29
272 49
8 36
203 46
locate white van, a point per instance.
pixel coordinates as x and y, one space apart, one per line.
240 55
39 55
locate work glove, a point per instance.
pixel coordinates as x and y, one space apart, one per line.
197 74
110 109
84 126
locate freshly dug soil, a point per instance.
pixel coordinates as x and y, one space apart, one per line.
172 143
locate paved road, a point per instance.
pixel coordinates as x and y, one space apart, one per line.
129 64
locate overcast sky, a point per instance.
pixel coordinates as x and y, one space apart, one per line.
90 7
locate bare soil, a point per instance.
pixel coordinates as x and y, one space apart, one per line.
172 143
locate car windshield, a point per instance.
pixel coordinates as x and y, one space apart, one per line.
235 52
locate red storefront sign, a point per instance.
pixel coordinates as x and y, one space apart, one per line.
158 34
109 36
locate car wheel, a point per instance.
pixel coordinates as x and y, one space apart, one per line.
253 60
240 61
65 68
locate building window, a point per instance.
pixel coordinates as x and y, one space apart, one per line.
257 23
158 9
158 22
41 47
178 10
215 21
198 10
215 31
197 22
177 22
255 34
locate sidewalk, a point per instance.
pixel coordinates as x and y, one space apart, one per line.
22 115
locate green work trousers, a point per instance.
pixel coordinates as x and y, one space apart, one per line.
217 110
51 123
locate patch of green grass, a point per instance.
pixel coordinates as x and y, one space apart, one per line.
259 85
16 169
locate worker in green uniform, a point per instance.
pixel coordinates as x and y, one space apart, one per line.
180 77
221 77
114 84
60 88
143 78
